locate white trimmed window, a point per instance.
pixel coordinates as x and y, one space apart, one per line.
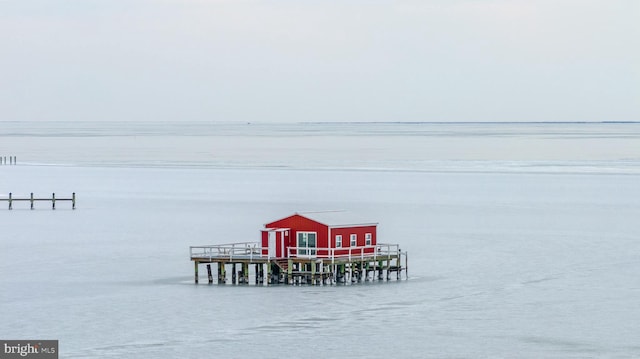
354 240
338 240
367 239
307 243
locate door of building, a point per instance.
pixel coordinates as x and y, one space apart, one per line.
272 244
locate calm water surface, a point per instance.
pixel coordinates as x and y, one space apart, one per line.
510 254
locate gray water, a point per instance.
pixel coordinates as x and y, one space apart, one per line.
520 244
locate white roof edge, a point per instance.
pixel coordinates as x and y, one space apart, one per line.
337 218
325 211
353 225
331 219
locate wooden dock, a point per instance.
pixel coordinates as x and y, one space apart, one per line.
247 259
33 199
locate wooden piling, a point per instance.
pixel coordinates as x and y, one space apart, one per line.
399 264
334 274
367 270
53 201
31 200
388 261
196 271
10 200
406 265
268 273
234 274
73 200
245 273
256 269
223 273
209 275
354 272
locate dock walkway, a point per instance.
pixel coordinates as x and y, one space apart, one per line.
315 266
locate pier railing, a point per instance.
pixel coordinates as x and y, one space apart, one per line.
240 250
254 250
380 250
31 199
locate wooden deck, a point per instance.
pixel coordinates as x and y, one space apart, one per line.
302 266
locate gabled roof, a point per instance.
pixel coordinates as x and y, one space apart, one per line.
337 219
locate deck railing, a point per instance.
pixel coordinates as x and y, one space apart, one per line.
10 199
380 250
251 250
242 250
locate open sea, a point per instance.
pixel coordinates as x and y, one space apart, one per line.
523 238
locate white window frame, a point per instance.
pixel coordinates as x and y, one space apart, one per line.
306 251
353 240
367 239
338 240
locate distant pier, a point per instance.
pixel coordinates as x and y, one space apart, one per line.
31 199
13 160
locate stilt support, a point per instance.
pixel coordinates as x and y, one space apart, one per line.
223 273
267 277
406 265
245 273
234 274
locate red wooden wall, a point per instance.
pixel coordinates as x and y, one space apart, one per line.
360 233
299 223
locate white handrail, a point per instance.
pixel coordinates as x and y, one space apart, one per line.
253 250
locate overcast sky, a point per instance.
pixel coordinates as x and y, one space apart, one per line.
320 60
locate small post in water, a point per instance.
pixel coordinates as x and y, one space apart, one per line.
233 273
209 273
406 265
10 205
399 264
73 201
31 200
53 201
